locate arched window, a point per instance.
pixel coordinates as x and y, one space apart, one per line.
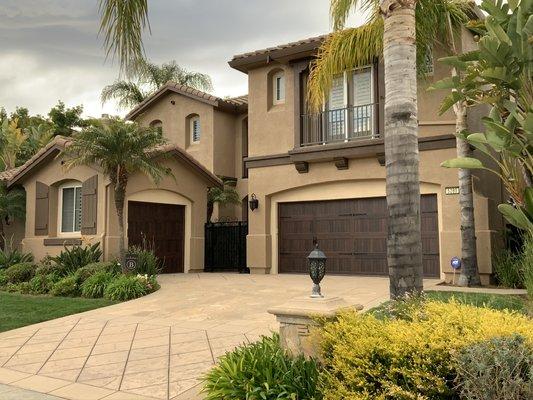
157 124
195 129
278 87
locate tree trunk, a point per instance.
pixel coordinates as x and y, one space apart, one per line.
120 195
404 244
469 269
2 236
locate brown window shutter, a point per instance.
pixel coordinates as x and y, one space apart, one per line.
42 202
89 205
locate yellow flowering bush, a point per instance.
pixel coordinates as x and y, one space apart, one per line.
410 358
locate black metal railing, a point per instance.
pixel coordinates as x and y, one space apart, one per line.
225 246
339 125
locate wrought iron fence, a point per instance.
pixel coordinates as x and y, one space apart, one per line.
343 124
225 246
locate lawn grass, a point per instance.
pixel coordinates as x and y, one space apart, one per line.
17 310
489 300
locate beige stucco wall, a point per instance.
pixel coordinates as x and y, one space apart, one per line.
364 178
185 188
14 233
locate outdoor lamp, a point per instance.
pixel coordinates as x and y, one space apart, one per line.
316 260
254 203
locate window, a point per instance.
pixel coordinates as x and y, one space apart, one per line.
157 124
279 88
195 129
70 212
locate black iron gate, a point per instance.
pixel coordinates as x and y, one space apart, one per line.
225 246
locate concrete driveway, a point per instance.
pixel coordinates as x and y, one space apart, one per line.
158 346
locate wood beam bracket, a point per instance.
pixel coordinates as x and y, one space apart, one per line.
341 163
381 159
302 167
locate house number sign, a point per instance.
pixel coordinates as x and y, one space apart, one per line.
451 190
131 263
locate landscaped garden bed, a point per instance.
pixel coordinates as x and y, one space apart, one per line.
76 273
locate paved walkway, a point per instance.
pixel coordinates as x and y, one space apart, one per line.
158 346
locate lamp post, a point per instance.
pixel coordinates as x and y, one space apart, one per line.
316 260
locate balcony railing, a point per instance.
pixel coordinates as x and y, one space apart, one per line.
340 125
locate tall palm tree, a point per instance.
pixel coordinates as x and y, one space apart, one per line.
148 78
12 206
121 149
344 49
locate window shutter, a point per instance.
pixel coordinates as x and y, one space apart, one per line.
336 95
89 205
362 84
42 202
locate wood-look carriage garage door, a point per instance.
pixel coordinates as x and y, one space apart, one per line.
162 226
352 233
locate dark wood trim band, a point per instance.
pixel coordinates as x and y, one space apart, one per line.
61 242
267 161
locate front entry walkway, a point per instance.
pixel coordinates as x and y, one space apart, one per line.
158 346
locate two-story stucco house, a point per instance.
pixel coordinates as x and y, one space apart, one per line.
316 176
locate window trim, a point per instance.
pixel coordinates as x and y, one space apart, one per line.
278 75
193 119
60 209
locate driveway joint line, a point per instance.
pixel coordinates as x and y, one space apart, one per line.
92 348
128 357
210 348
21 346
59 344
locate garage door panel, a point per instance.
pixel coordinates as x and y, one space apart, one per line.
352 233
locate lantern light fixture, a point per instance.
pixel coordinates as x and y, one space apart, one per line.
254 202
316 261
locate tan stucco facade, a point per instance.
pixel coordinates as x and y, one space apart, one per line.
256 143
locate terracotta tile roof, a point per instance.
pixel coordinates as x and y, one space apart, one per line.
312 40
236 104
60 142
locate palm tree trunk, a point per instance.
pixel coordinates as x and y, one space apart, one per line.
469 269
120 195
404 244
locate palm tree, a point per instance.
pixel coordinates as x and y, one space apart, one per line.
12 206
225 195
350 48
121 149
149 77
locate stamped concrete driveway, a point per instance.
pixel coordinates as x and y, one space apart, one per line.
158 346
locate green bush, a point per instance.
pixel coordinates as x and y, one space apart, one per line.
147 262
95 285
20 272
409 357
496 369
66 287
42 284
125 287
11 256
527 264
508 269
47 266
3 279
73 258
24 287
85 272
262 370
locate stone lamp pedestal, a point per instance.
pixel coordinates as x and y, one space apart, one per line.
298 316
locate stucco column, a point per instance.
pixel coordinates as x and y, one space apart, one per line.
259 240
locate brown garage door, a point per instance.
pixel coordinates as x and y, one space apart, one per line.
161 226
352 233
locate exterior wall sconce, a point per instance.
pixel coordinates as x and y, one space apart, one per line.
316 260
254 203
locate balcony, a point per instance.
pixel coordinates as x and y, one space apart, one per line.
340 125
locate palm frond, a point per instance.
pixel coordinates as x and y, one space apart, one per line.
128 94
339 10
122 23
158 75
343 50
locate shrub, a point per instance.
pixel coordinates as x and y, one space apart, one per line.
85 272
496 369
11 256
66 287
20 272
147 262
3 279
42 284
24 287
125 287
73 258
262 370
95 285
411 358
150 282
47 266
508 269
527 264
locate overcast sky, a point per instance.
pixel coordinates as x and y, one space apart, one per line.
50 49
